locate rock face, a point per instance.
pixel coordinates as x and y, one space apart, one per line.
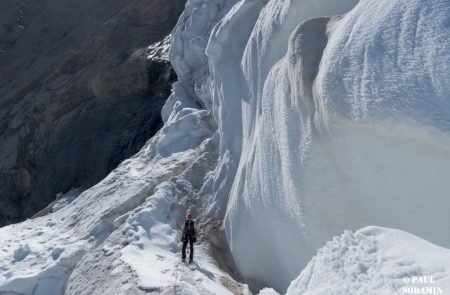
80 91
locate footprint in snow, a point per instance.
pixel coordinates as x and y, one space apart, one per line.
21 253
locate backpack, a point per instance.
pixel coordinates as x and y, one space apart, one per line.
189 228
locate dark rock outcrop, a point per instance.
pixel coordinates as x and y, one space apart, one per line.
77 92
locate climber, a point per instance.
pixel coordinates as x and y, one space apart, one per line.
189 234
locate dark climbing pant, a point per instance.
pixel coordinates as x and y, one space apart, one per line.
191 245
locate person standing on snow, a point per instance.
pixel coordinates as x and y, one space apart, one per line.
189 234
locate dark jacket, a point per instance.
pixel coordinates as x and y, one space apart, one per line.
189 230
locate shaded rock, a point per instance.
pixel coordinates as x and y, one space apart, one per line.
78 93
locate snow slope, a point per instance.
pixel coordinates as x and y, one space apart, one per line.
375 260
122 236
291 125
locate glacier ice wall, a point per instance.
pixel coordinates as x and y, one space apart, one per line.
323 123
264 202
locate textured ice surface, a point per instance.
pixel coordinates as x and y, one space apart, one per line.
375 260
367 143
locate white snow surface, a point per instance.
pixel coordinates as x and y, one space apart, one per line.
292 121
122 236
374 260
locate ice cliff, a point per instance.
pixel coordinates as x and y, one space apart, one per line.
292 121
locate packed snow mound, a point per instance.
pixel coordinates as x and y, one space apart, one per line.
376 260
268 291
